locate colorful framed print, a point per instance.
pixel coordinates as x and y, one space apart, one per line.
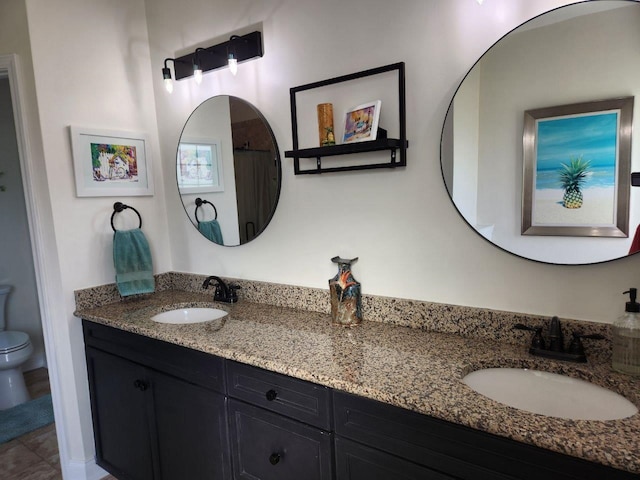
199 166
361 122
110 163
577 169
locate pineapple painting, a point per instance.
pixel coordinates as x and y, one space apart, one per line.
572 170
572 178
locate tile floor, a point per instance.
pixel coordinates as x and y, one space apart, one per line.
33 456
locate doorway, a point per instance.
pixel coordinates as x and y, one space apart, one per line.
22 264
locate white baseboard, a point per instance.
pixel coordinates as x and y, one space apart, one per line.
88 470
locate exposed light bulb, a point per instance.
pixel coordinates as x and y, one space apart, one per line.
233 64
166 75
197 74
480 2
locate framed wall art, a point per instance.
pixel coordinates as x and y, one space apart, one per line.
110 163
361 122
577 168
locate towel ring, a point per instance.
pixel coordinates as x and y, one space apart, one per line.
118 207
200 202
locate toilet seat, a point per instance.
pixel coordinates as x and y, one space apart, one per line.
13 341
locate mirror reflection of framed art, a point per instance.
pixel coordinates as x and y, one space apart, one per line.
199 169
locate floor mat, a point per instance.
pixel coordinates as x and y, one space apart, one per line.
24 418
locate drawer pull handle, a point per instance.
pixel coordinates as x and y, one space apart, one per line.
271 395
274 458
140 385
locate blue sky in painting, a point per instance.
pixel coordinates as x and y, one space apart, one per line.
592 136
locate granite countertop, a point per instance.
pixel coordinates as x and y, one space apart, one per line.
415 369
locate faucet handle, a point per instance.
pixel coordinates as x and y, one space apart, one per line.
576 347
536 341
233 293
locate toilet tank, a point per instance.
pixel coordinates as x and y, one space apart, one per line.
4 293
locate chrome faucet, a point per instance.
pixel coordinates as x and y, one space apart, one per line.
224 293
575 351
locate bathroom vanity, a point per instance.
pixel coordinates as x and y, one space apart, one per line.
271 392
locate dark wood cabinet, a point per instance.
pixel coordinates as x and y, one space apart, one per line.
280 426
120 419
297 399
165 412
359 462
191 429
150 425
450 449
269 446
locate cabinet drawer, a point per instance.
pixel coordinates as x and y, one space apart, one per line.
459 451
414 437
357 462
294 398
190 365
268 446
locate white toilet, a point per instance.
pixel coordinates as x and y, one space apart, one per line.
15 349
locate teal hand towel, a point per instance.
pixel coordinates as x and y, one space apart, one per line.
132 259
211 230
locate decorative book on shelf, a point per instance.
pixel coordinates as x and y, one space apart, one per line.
397 147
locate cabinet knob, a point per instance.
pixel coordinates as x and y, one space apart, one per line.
274 458
140 385
271 395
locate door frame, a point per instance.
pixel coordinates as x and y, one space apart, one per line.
45 259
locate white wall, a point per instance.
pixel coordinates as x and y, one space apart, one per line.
16 261
91 65
530 71
401 224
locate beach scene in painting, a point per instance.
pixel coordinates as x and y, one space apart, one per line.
576 165
114 163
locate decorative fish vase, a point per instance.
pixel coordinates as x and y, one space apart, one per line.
346 298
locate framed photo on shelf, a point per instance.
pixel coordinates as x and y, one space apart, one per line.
109 163
577 169
199 166
361 122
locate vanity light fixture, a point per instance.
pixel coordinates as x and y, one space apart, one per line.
238 48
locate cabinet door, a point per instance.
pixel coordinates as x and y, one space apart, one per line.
357 462
119 391
268 446
192 430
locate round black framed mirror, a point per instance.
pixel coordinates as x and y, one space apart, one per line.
228 170
555 67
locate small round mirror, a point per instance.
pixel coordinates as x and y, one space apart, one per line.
228 170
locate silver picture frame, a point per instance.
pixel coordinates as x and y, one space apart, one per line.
596 133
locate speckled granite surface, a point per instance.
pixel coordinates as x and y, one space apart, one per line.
416 368
466 321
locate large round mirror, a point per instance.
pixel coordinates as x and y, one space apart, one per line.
537 146
228 170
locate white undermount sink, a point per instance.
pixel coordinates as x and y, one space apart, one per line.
189 315
550 394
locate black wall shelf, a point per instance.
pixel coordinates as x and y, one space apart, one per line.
394 145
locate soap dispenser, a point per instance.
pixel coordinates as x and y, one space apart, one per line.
626 337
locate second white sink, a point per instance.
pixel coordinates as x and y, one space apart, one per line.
550 394
189 315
